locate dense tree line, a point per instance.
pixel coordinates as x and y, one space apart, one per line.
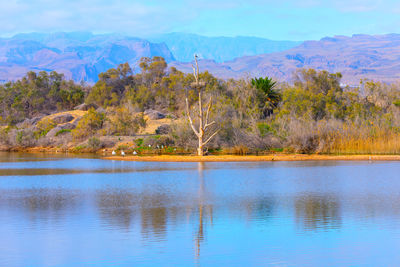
315 113
35 94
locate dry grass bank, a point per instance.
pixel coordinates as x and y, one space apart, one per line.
75 113
380 143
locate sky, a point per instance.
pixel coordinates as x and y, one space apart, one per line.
274 19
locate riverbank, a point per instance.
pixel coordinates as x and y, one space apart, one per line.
232 158
106 154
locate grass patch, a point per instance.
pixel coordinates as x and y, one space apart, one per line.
63 131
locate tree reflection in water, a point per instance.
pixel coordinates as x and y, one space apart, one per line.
154 210
116 207
203 207
41 204
318 212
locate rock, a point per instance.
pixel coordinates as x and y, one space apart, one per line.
55 130
35 120
85 107
63 118
68 126
24 124
172 116
163 129
100 110
154 114
30 122
75 122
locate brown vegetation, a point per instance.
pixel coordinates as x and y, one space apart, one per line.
146 114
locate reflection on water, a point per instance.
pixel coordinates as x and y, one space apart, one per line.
83 211
318 212
39 204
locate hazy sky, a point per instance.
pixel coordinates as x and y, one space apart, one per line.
274 19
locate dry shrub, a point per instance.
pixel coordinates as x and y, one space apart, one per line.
341 137
302 136
183 135
124 122
25 137
240 150
363 141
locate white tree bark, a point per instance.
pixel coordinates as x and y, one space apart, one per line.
203 124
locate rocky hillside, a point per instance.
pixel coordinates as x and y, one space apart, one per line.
79 56
184 46
360 56
82 56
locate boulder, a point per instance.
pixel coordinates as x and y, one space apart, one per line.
163 129
35 120
68 126
100 110
154 114
63 118
172 116
85 107
55 130
30 122
74 123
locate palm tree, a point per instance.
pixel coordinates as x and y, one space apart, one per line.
269 97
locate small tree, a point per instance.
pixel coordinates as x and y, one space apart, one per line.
203 125
268 96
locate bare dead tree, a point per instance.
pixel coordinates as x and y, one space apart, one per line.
204 124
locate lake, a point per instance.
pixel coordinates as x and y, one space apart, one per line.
57 210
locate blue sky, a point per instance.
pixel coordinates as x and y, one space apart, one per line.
274 19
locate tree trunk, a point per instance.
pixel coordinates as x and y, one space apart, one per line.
203 124
200 150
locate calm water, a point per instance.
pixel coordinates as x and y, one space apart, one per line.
60 211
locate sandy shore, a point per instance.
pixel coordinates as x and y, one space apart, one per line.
231 158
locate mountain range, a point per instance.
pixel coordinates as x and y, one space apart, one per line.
357 57
183 46
82 55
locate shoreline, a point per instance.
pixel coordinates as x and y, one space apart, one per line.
266 158
215 158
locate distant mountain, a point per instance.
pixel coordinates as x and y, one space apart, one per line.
183 46
360 56
79 55
83 55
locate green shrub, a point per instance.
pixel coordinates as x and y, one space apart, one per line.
157 140
89 124
122 122
139 142
79 148
397 103
44 126
122 147
265 129
63 131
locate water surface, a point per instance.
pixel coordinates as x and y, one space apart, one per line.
80 211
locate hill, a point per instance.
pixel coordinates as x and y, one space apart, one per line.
356 57
183 46
79 56
83 55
